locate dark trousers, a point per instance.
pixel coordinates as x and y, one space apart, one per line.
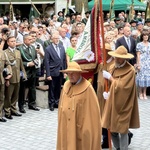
105 135
31 85
54 90
21 95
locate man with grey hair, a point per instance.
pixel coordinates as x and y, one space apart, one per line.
20 34
30 62
128 42
55 60
134 34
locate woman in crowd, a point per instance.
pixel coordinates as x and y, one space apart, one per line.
72 49
109 37
120 32
143 65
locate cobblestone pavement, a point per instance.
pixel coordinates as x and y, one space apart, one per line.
38 130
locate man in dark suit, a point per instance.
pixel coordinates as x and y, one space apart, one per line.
129 43
30 62
55 60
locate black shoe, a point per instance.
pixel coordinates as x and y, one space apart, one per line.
56 105
2 120
22 110
16 114
8 117
34 108
130 135
105 145
51 107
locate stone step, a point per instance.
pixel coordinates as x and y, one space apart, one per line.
42 87
41 81
42 96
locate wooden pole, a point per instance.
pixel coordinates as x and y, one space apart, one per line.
104 59
35 7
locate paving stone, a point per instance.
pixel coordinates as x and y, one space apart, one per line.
37 130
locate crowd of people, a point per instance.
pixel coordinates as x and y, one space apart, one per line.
47 45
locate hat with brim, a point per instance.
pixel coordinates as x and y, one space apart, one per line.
139 23
133 21
60 12
147 20
121 52
117 19
73 67
87 12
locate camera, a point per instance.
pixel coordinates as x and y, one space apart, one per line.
36 62
5 31
22 76
5 72
38 46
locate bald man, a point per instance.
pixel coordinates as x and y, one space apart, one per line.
65 40
128 42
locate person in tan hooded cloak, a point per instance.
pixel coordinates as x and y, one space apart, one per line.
121 108
79 119
100 90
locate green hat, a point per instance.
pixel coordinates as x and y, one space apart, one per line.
133 21
147 20
139 19
117 19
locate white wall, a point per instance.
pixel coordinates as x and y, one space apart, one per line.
60 4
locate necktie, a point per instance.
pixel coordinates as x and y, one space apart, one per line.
128 43
57 50
29 49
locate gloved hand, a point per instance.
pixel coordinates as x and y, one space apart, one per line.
106 74
106 95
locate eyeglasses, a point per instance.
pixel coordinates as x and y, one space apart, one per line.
56 38
73 40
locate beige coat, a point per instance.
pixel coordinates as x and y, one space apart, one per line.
121 109
101 86
12 56
2 65
79 122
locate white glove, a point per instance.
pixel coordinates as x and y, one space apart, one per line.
106 95
106 74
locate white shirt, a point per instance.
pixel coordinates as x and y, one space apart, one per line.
12 49
128 43
19 38
66 42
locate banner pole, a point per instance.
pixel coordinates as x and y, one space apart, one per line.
104 60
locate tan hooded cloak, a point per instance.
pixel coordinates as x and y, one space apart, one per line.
79 122
121 108
100 85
